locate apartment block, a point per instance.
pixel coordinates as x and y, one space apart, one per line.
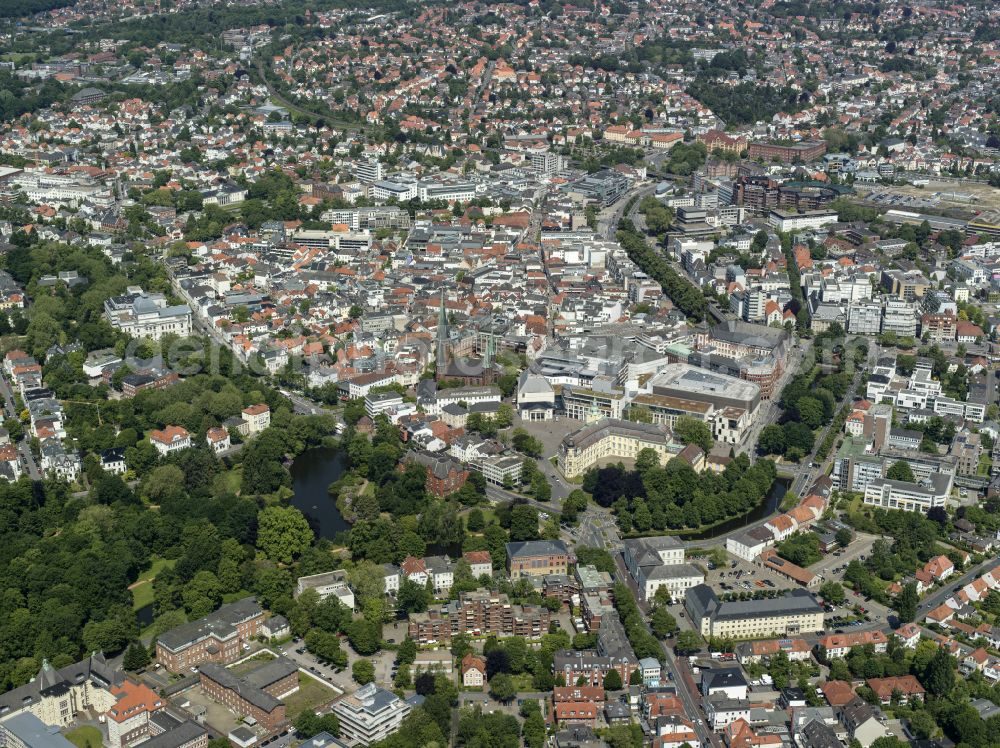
479 613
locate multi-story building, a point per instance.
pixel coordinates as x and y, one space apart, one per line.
910 497
479 613
591 666
186 734
796 612
609 438
327 584
906 286
218 637
369 172
967 450
938 328
864 318
56 696
785 221
534 558
170 439
899 317
257 418
145 315
256 694
128 718
838 646
370 714
586 404
445 474
659 562
787 154
27 731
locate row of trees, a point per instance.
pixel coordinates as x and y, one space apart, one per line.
682 293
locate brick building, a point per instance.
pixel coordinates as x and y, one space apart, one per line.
218 637
534 558
256 694
787 154
132 384
445 474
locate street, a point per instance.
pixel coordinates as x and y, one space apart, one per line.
23 448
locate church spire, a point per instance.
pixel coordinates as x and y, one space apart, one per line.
442 338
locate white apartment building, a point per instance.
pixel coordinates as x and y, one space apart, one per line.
370 714
864 318
384 190
368 172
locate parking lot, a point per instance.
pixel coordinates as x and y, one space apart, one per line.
860 546
744 577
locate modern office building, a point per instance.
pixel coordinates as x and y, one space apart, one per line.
327 584
910 497
720 390
370 714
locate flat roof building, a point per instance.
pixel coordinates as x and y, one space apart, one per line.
370 714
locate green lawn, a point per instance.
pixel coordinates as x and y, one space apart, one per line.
524 681
142 592
229 480
984 466
311 694
254 662
85 736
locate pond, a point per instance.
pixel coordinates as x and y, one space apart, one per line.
312 473
771 502
144 615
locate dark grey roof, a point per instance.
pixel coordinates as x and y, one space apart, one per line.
819 735
221 623
183 734
536 548
50 681
702 601
270 672
246 690
729 677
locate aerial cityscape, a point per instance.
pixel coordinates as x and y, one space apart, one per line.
594 374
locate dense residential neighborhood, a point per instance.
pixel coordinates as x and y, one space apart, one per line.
564 375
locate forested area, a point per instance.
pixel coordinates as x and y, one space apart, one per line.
189 530
745 103
18 97
675 497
